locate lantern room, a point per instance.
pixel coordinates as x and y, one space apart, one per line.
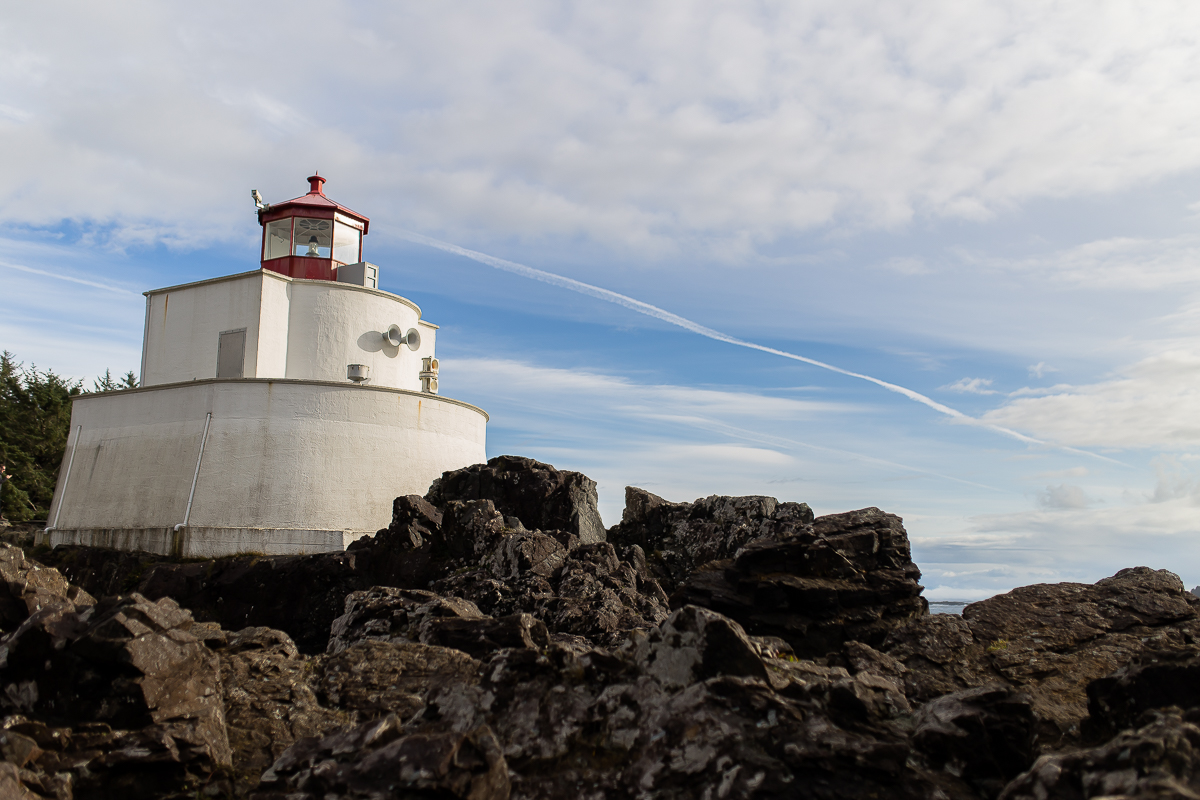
311 236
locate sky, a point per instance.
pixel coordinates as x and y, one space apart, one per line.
942 258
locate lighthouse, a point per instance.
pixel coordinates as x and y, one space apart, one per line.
281 410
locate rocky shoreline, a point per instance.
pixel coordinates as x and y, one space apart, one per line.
495 641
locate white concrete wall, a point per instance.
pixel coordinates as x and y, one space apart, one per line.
288 465
273 324
331 325
298 329
183 324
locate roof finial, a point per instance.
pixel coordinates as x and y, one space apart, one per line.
314 183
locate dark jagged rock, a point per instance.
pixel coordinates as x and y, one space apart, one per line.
940 656
379 759
414 523
985 736
100 571
537 494
686 710
1050 640
695 644
1157 761
409 615
470 529
140 693
372 679
300 595
845 577
26 587
490 642
1054 639
269 702
127 662
527 553
393 615
482 637
683 536
1152 681
593 594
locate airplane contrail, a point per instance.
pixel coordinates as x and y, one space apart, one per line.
61 277
674 319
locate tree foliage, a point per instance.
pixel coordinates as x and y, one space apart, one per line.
106 382
35 422
35 418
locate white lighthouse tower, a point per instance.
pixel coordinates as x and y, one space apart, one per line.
281 410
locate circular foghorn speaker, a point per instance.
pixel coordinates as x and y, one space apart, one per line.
393 335
412 338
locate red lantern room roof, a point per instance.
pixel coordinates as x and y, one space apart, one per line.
313 204
311 236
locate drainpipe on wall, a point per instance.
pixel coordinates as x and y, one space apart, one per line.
177 543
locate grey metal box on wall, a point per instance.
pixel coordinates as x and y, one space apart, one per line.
231 354
360 274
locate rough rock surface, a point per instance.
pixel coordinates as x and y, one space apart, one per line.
1154 680
593 595
114 698
688 709
1050 640
539 495
1157 761
678 537
380 759
26 587
986 736
493 642
372 679
842 577
269 700
386 614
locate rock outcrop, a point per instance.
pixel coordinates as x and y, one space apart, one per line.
495 642
537 494
111 697
679 537
844 577
1049 640
1160 759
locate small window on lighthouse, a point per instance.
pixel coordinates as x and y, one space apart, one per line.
313 237
279 239
346 243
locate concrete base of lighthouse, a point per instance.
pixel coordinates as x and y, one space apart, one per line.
223 466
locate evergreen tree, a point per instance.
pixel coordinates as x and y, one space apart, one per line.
106 382
35 419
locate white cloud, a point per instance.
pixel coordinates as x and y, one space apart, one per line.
631 124
1064 496
1040 369
970 386
997 552
1174 480
1141 264
1149 404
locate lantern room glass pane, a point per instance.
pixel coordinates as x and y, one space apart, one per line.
278 241
347 243
313 237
